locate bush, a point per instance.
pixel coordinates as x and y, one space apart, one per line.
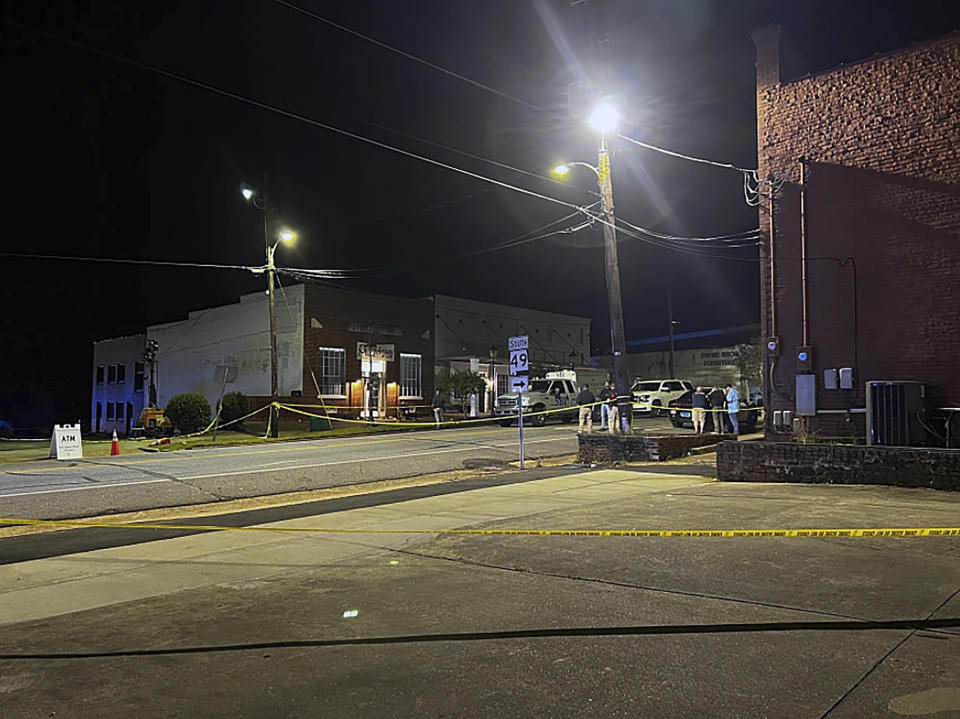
188 412
234 407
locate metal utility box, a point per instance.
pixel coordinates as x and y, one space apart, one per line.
846 378
893 413
829 379
806 395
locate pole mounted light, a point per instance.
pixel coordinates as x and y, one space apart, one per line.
285 235
604 119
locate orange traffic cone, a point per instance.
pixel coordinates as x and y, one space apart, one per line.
114 445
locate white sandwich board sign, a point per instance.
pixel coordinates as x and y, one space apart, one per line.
66 442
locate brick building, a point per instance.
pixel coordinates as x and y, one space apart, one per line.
870 154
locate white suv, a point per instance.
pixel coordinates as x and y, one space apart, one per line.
653 395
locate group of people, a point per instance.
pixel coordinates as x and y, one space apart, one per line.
716 400
609 414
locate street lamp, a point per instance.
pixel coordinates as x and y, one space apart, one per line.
492 351
258 200
604 119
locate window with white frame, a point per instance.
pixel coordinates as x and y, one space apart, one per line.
120 407
112 374
410 370
111 411
503 384
101 372
121 373
332 377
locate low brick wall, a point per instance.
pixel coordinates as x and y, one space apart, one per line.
838 464
605 448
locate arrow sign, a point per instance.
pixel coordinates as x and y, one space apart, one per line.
519 384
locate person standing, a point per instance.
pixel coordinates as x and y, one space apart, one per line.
438 407
716 398
699 409
585 400
613 412
604 409
733 406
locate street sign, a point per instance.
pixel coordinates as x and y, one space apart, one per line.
519 362
519 384
518 343
65 442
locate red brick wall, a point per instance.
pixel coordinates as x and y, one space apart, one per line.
336 309
882 140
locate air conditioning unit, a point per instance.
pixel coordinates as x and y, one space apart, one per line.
893 413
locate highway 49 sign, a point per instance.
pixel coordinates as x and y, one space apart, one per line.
519 362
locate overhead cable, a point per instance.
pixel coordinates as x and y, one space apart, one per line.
286 113
410 56
122 261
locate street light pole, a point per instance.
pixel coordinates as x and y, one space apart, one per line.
271 280
259 200
612 266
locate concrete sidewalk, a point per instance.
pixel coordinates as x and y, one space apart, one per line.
243 624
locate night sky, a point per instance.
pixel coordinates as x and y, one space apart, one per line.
103 159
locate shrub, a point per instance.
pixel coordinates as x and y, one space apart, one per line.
234 407
188 412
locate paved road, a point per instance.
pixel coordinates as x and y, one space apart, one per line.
250 624
50 489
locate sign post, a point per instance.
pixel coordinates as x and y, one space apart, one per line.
519 367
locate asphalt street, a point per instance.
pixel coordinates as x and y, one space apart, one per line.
49 489
354 622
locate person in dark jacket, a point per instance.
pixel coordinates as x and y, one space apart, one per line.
586 399
699 409
717 397
438 407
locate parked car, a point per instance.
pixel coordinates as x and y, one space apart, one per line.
652 396
543 394
681 415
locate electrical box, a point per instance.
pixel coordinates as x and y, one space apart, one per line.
778 418
804 358
893 413
787 418
773 346
846 378
806 395
829 379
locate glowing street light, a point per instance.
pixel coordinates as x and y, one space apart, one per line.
285 235
605 118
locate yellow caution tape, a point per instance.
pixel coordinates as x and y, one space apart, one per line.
642 533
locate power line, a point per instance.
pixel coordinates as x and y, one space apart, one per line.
691 158
286 113
410 56
746 234
121 261
365 272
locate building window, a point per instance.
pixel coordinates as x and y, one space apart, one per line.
503 384
332 376
111 411
120 406
121 373
410 385
100 372
112 374
138 376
